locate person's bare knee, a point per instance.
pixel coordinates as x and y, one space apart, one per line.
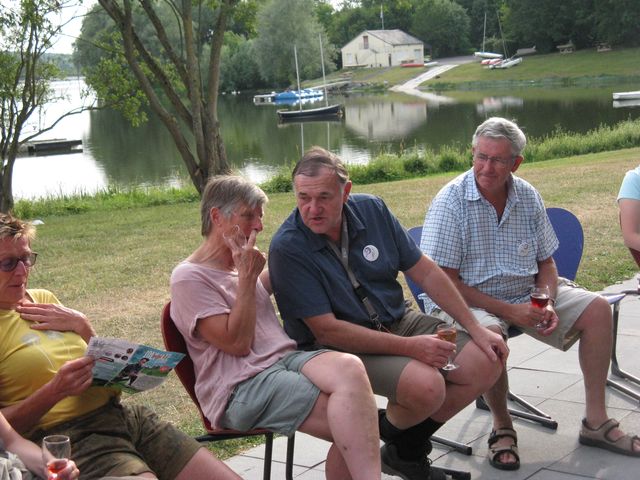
421 391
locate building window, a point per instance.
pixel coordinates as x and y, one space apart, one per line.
365 40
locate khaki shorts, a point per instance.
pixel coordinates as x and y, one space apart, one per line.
125 440
384 370
571 301
279 398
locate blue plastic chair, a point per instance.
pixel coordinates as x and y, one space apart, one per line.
567 258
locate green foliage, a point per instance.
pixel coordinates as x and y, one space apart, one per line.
444 25
281 25
113 198
238 69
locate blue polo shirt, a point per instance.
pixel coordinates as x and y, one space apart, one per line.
308 278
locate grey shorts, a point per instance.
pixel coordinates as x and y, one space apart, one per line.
279 398
384 370
571 301
118 440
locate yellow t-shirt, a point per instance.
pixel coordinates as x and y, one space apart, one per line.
30 358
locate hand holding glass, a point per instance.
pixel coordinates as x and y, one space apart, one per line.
448 333
54 449
540 298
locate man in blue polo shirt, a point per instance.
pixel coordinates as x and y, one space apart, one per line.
333 266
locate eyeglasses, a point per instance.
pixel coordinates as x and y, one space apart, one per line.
10 264
482 158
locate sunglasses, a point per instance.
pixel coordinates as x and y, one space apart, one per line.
10 264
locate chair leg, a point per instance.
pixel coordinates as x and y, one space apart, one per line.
268 455
289 465
536 414
457 446
615 367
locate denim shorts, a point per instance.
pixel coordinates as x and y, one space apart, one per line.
121 440
280 398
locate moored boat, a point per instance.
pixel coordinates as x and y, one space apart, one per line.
298 94
309 113
626 95
507 63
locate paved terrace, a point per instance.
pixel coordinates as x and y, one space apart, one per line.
543 376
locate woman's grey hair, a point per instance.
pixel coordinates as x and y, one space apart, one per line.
228 193
317 158
498 127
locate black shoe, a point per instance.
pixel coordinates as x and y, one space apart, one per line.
420 469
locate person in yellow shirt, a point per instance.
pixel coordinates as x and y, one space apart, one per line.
46 384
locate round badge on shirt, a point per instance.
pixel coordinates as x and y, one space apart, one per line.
371 253
523 249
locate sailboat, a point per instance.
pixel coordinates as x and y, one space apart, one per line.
482 53
320 113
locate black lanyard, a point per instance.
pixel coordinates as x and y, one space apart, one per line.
343 256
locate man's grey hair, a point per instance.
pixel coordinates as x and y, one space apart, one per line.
228 193
497 128
317 158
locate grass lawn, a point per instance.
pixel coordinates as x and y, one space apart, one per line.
539 69
115 265
582 66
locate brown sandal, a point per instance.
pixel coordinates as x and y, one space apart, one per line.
494 453
599 437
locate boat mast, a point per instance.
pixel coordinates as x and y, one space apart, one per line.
295 56
504 45
484 31
324 80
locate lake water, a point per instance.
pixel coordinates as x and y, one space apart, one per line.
114 153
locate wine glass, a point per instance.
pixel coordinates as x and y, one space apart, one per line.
448 333
540 298
56 450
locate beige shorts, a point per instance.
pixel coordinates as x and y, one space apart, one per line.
571 301
384 370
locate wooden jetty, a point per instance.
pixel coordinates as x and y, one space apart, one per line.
53 145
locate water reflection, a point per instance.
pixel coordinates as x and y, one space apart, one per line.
257 145
385 119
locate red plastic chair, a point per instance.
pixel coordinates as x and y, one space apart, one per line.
174 341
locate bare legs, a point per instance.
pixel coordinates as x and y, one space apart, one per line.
476 375
346 415
204 465
595 327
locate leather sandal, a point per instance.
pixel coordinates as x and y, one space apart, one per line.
494 452
599 438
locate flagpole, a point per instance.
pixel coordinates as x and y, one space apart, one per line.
381 16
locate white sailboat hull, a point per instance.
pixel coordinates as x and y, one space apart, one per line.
626 95
487 55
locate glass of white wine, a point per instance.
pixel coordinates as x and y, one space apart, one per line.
448 333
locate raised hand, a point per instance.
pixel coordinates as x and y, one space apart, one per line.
247 258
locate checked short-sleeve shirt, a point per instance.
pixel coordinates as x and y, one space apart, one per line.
499 257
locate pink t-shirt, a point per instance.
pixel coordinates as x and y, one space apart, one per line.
199 292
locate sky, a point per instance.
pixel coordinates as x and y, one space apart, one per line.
72 18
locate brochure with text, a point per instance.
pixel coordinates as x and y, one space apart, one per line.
128 366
